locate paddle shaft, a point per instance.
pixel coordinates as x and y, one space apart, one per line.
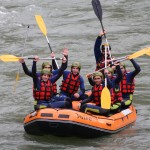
98 11
42 58
49 44
43 29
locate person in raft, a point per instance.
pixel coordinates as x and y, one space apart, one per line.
116 95
45 65
43 86
95 97
99 51
72 87
128 83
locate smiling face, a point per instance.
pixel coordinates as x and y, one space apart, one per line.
108 73
45 77
75 70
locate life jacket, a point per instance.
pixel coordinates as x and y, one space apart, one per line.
101 63
55 88
127 87
54 84
116 94
71 84
96 92
45 92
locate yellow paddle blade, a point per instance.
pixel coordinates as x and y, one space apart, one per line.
9 58
148 51
17 76
105 98
41 24
138 53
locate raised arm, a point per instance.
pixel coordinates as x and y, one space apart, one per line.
62 68
34 71
25 68
54 65
119 77
97 51
136 71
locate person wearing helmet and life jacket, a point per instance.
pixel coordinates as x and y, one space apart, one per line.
99 51
43 89
116 95
72 87
95 97
128 83
45 65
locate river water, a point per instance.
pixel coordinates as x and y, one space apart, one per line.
71 24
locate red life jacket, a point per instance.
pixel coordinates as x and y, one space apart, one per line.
101 64
45 92
55 88
116 94
96 92
71 84
127 87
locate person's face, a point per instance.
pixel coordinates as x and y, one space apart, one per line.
97 80
45 77
108 73
75 70
107 52
122 69
47 67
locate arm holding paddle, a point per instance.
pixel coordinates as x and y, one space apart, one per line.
64 52
25 68
54 65
136 71
97 50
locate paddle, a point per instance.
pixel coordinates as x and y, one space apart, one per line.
105 98
148 52
12 58
132 56
43 29
98 11
17 75
139 53
105 95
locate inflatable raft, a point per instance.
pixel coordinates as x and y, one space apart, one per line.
68 122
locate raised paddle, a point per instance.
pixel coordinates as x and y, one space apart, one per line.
148 52
17 75
139 53
105 95
12 58
98 11
43 29
132 56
